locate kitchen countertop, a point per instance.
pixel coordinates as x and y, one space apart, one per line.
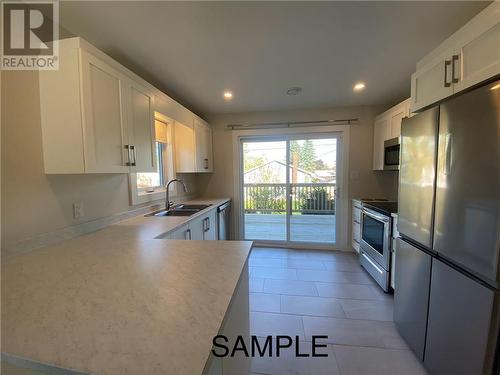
148 227
118 301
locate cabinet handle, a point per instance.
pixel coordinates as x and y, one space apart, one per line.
188 234
205 163
128 148
208 224
454 60
132 147
447 63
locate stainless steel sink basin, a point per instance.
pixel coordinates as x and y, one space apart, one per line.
198 207
175 212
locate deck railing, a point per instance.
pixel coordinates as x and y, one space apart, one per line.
305 198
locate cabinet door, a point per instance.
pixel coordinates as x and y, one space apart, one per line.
400 111
479 56
184 148
182 233
431 83
380 134
203 136
197 228
105 132
141 128
210 230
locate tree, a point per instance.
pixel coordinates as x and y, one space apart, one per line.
251 162
307 159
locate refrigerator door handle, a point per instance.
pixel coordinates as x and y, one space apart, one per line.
448 154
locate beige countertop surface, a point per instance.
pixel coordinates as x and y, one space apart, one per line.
118 301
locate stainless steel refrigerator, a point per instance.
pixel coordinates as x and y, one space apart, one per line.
447 297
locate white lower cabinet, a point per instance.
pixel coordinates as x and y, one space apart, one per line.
204 227
211 226
182 233
197 227
201 228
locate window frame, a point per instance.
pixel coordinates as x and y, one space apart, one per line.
141 195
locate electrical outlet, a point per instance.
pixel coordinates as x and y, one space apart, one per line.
78 210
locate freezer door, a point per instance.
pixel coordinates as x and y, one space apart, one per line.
417 176
411 296
467 218
459 340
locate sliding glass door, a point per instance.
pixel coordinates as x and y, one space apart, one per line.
289 189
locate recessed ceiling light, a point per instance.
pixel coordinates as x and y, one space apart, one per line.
228 95
359 86
294 91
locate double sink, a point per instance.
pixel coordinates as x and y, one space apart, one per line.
180 210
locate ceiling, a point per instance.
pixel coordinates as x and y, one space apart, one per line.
195 50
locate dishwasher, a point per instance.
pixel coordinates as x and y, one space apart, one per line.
223 220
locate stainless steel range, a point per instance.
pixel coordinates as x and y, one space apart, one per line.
376 227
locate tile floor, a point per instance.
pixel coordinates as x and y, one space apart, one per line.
305 293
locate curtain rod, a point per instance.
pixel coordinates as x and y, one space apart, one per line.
291 124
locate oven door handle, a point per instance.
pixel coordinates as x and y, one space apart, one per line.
379 270
375 215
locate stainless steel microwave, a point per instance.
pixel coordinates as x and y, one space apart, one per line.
391 154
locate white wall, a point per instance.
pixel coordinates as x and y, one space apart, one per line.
32 202
378 184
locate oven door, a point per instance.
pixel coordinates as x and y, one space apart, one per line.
391 154
375 236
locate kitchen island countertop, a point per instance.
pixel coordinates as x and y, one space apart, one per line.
118 301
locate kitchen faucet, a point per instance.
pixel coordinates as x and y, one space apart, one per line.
167 203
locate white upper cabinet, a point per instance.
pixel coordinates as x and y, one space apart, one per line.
387 125
193 147
468 57
431 83
380 134
479 52
203 139
141 128
96 116
184 148
103 91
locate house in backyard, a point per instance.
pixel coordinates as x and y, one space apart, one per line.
274 172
